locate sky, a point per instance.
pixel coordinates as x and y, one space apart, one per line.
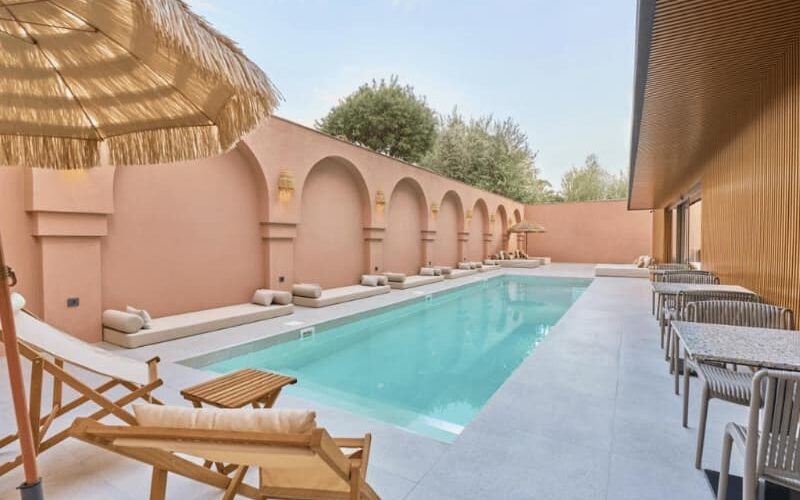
562 69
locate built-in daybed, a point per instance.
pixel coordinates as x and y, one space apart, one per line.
313 296
193 323
427 276
621 271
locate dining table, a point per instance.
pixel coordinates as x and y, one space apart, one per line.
737 345
661 290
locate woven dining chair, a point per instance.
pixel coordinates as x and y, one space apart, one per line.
668 269
687 297
771 440
720 382
667 303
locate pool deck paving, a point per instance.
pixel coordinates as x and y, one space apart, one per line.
590 414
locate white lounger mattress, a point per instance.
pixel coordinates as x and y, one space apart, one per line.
195 323
460 273
524 263
414 281
621 271
333 296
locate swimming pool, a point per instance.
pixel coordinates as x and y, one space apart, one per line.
429 365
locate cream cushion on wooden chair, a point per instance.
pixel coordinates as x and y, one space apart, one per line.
280 466
224 419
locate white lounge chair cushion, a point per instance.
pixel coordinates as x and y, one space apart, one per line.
224 419
310 290
263 297
427 271
464 265
73 350
122 321
281 297
395 277
142 314
445 270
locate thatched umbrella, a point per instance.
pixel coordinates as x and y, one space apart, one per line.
128 81
526 227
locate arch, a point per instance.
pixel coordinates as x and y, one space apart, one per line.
334 209
407 217
478 228
171 225
449 223
500 230
517 215
356 175
514 239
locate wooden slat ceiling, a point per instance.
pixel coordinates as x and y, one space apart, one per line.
702 59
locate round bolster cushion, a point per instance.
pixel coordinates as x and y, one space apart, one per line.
281 298
122 321
310 290
395 277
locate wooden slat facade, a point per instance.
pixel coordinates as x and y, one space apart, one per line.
721 107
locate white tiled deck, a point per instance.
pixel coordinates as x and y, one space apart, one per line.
589 415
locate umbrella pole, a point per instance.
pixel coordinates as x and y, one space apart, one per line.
31 489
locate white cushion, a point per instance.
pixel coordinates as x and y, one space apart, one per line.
224 419
395 277
17 302
427 271
369 280
464 265
262 297
280 297
142 314
445 270
122 321
310 290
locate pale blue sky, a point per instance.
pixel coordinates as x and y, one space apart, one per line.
562 69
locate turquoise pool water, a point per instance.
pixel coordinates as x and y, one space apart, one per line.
428 366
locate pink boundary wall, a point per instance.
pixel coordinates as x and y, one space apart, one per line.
194 235
592 232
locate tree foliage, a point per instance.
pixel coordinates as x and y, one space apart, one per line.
386 117
593 182
487 153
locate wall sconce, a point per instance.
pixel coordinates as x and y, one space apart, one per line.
468 216
285 186
380 201
435 209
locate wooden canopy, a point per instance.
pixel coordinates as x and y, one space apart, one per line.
697 61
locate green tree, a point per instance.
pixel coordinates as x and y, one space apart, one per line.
593 182
386 117
487 153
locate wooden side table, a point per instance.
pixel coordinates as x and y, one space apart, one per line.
238 389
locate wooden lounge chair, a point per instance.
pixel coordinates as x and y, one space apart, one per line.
49 350
309 465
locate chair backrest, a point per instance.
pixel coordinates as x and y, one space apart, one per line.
694 277
774 450
736 312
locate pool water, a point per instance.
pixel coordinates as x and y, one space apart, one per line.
429 365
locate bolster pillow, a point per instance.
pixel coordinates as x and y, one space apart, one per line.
122 321
281 298
369 280
427 271
464 265
395 277
309 290
262 297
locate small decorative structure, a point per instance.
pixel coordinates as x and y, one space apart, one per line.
285 186
525 227
468 216
434 209
380 201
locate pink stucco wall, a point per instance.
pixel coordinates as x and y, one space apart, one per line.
599 231
189 236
